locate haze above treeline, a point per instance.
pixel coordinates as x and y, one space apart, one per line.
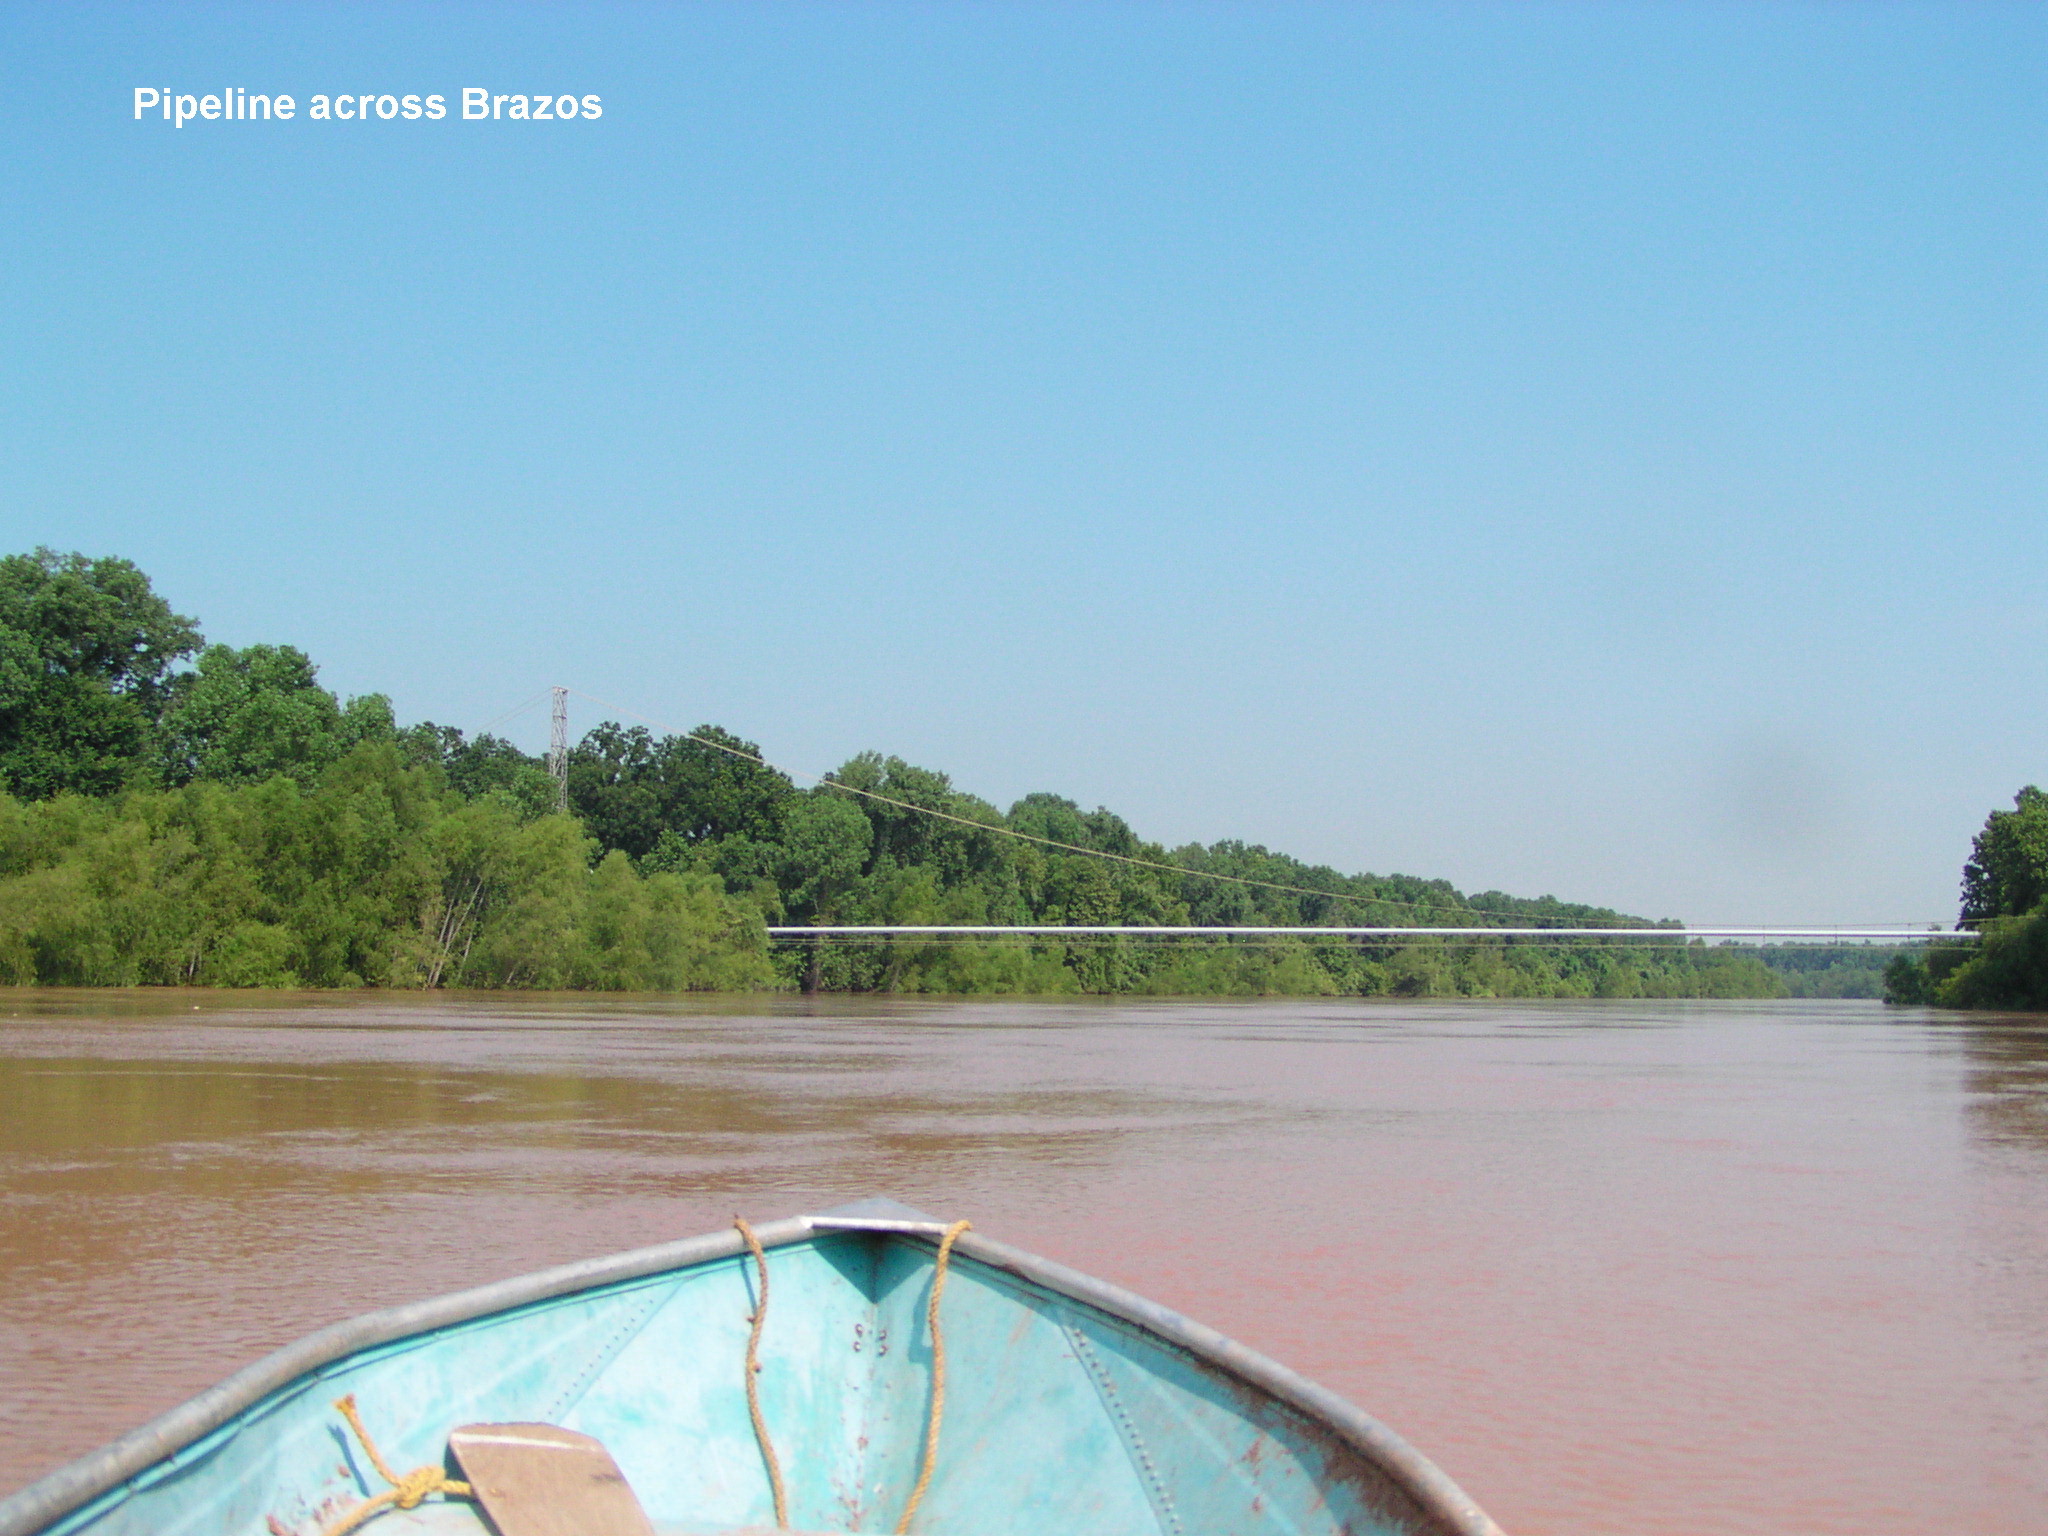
177 813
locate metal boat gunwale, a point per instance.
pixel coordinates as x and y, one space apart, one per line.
99 1473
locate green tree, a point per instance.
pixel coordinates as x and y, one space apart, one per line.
630 787
824 845
86 648
2007 875
1906 981
2005 899
953 845
482 765
2006 968
244 715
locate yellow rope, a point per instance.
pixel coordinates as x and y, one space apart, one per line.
931 1432
405 1492
754 1371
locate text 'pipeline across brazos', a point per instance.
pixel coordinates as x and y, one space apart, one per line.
479 104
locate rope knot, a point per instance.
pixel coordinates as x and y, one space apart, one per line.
416 1485
405 1492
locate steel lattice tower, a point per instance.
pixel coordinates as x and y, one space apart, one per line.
558 749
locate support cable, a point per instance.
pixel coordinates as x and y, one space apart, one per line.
997 830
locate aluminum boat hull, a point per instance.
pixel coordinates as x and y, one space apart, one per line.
1071 1406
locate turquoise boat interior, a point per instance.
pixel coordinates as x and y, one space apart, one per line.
1068 1405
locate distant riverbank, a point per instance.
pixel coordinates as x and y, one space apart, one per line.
183 814
378 874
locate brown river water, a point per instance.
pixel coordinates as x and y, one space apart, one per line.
1634 1268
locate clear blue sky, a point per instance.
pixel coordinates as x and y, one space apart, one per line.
1593 449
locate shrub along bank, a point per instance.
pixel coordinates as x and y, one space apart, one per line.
374 873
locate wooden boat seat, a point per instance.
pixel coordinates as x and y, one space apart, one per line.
544 1480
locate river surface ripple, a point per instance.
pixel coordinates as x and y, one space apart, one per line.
1689 1268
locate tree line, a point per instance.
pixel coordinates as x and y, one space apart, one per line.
180 813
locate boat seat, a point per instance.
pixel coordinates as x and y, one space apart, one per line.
544 1480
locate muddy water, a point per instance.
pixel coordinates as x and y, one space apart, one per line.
1619 1268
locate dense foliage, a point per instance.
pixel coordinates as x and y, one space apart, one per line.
864 847
177 812
371 872
2005 899
86 651
1827 970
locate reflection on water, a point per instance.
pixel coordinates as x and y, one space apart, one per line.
1651 1268
2009 1079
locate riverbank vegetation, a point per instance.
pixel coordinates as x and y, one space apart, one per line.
2005 899
177 813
